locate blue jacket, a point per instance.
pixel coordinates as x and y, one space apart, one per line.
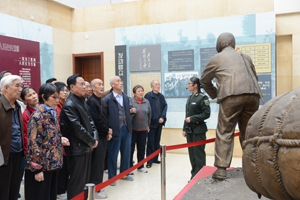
151 97
113 113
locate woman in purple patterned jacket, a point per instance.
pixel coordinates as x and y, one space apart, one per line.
44 155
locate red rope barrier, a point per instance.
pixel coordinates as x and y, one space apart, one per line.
192 144
168 148
110 181
79 197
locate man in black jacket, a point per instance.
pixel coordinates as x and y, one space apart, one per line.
119 120
159 109
78 126
105 133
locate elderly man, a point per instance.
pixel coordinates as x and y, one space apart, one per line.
78 126
96 107
159 108
88 90
2 74
119 120
237 93
11 137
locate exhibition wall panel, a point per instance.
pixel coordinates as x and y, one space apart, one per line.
186 47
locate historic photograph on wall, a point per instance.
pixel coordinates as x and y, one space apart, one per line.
176 84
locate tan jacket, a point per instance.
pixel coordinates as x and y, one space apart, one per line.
6 126
230 71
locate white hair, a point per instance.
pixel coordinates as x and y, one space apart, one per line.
8 80
151 84
94 80
112 79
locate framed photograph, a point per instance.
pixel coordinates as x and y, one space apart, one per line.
176 84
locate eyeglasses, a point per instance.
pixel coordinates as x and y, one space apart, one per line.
54 97
65 91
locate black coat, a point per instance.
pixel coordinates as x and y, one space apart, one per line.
77 125
151 97
98 114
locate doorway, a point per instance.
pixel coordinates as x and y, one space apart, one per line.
89 65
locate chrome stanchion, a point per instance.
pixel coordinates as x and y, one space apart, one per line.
163 172
90 191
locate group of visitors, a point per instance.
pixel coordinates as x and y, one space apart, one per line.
63 134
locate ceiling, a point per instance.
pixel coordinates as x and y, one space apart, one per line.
88 3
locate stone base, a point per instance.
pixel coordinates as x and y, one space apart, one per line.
233 188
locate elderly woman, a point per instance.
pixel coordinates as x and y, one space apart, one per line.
63 174
11 137
140 125
30 97
44 153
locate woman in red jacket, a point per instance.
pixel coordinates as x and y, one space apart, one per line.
30 97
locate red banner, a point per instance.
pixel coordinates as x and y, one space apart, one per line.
22 58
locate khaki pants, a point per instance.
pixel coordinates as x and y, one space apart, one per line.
232 110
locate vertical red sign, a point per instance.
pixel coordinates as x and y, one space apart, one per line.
22 58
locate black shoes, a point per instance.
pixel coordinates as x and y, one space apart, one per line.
149 165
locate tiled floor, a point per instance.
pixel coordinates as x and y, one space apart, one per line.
147 186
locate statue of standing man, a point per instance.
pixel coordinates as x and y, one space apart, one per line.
237 94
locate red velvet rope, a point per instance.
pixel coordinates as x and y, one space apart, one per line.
168 148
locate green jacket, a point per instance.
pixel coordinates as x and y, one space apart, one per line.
198 109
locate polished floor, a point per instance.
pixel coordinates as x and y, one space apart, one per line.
147 186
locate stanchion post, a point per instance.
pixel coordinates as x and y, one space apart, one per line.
163 172
90 191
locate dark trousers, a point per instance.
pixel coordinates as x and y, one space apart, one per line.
46 189
10 179
153 143
98 158
63 177
121 144
138 138
79 168
106 159
197 153
232 110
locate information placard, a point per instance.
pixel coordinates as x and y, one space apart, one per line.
145 58
121 65
264 81
22 58
181 60
205 55
260 55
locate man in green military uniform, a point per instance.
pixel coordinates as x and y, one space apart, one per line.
194 127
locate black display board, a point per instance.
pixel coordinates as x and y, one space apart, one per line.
145 58
121 65
205 55
265 83
181 60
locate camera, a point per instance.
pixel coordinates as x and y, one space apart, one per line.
188 129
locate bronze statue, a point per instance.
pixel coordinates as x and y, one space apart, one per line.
271 149
237 93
